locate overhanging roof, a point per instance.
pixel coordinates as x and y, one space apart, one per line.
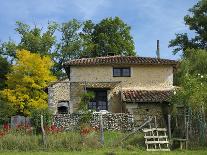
120 60
146 95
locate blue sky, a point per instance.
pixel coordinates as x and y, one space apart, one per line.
149 19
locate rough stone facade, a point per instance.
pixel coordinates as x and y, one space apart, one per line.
143 77
111 121
146 77
57 92
113 93
142 111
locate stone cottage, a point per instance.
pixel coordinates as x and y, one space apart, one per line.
121 84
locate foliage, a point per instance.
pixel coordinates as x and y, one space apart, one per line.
69 47
197 22
4 69
193 80
86 114
6 111
36 118
108 36
31 39
76 40
26 82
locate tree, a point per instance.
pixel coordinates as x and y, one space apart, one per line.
6 111
108 36
193 80
197 22
26 82
69 47
31 39
76 40
4 69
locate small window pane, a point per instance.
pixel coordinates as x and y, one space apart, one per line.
126 72
117 72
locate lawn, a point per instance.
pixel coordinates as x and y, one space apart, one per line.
105 152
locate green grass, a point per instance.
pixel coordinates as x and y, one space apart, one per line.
110 152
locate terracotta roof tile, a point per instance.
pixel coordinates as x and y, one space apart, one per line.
116 60
146 95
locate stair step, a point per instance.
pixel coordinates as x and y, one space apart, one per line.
158 149
154 129
156 142
150 137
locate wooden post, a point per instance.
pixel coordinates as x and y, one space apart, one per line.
43 132
101 129
169 126
155 121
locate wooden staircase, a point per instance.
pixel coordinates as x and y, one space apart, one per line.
156 139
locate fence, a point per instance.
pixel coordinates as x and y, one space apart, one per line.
190 126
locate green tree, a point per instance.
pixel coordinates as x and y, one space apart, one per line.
4 69
197 22
27 81
31 39
69 47
6 111
193 80
108 36
76 40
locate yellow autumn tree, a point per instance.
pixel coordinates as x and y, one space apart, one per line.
26 82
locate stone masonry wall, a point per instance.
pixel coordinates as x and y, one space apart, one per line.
113 94
59 91
111 121
142 111
145 77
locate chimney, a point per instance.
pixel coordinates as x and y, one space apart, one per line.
158 49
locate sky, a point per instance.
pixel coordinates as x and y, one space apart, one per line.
150 20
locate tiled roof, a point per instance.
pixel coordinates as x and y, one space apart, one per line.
146 95
123 60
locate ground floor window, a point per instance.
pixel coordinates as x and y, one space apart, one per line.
100 100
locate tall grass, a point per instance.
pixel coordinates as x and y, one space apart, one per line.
63 141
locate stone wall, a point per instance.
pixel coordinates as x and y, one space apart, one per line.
145 77
113 94
111 121
58 91
142 111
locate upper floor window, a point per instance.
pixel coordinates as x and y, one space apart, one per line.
121 72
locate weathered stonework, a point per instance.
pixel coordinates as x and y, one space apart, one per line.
111 121
58 91
142 111
143 77
146 77
113 93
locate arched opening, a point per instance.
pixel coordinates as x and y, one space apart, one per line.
63 107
